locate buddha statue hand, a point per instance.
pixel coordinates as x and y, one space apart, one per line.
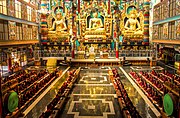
51 29
138 29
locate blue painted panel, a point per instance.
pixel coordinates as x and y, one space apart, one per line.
167 20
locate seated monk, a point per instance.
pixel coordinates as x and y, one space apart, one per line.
59 25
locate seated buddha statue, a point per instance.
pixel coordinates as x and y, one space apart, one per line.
95 23
59 25
132 24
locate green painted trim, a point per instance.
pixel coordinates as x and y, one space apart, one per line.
167 20
10 18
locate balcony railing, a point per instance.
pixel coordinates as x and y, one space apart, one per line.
51 53
135 53
112 54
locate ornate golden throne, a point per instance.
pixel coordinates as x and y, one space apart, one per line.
100 33
94 33
132 23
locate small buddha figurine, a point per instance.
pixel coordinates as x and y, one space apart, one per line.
132 22
91 49
59 24
95 22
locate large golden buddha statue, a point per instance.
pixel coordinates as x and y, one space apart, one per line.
59 25
95 27
95 23
132 24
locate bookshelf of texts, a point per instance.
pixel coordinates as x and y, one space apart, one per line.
166 21
19 22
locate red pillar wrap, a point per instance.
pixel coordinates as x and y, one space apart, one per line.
9 64
117 54
63 6
114 34
117 50
78 6
72 52
109 4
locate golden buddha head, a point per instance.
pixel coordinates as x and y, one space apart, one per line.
95 14
133 14
58 15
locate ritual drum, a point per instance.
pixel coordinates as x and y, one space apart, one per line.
170 104
11 101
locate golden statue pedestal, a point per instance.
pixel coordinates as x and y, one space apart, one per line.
92 55
92 34
105 55
80 54
133 35
58 36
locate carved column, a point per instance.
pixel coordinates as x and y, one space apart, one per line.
73 18
146 22
43 24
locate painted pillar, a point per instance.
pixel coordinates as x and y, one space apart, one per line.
73 30
78 30
146 22
117 49
43 24
73 20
